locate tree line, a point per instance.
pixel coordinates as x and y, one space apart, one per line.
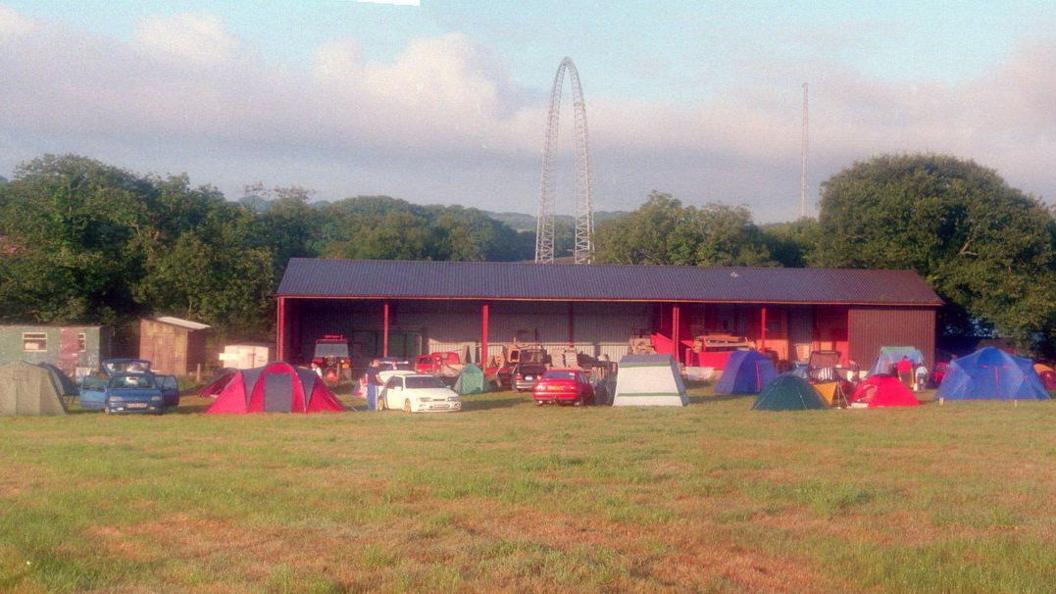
986 248
84 241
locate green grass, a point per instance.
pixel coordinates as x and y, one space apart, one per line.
505 496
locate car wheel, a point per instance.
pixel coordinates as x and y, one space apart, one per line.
579 401
538 402
407 406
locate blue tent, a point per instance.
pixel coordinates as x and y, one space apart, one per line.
889 355
746 372
992 374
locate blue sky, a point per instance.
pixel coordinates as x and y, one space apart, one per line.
693 92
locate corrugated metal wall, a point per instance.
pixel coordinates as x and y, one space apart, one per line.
871 328
598 328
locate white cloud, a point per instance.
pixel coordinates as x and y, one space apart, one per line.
198 38
444 122
13 24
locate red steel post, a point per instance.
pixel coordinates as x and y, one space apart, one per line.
484 313
385 329
280 330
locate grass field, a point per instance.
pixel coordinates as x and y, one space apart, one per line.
504 496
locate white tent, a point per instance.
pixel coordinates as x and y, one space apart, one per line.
649 380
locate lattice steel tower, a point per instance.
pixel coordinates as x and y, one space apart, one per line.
544 232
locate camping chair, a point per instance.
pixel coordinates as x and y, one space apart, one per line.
822 366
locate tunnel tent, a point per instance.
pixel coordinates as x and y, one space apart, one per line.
991 374
789 392
63 383
649 380
746 372
890 355
28 390
277 387
884 390
470 380
216 386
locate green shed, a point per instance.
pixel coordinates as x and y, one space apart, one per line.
76 350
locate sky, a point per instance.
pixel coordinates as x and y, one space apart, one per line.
445 101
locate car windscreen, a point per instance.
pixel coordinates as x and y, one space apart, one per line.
421 383
565 375
127 367
132 381
404 366
331 349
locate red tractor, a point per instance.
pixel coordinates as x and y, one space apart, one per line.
331 359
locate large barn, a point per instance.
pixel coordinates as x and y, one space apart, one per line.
399 308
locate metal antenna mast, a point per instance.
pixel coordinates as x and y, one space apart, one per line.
544 234
803 159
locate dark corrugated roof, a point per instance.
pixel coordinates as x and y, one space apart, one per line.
308 277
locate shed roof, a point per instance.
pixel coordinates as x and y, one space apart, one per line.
363 279
182 323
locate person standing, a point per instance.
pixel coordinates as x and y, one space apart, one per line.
904 368
920 378
373 383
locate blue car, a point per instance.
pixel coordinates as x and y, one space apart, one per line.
130 393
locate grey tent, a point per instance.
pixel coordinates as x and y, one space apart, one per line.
28 390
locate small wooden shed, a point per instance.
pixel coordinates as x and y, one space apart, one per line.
173 345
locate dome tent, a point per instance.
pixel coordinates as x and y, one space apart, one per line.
789 392
277 387
746 372
470 381
991 374
891 355
884 390
29 390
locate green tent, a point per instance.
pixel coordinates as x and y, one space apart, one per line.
28 390
470 381
63 383
789 392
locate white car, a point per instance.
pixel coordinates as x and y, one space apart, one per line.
388 374
419 393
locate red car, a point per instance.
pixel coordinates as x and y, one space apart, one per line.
563 386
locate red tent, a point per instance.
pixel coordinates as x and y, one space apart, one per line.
213 388
278 387
884 390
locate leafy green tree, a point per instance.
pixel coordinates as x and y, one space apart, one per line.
662 231
79 224
89 242
793 244
380 227
985 247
